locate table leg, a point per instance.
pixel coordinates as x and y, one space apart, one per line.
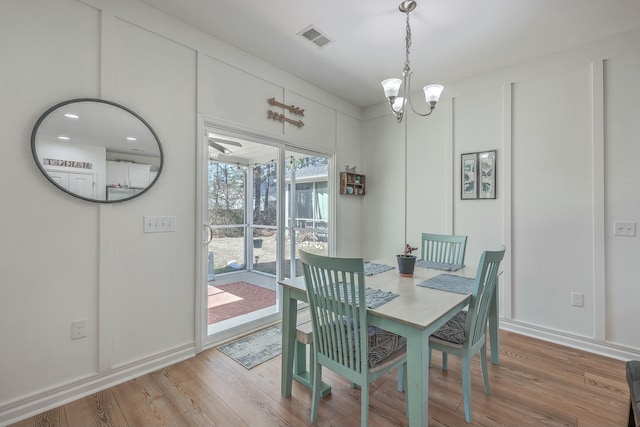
417 388
289 319
300 372
494 333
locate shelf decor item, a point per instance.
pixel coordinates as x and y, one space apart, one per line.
406 261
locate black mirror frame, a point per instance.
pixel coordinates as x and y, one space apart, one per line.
103 101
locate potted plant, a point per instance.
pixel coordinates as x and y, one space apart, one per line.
406 261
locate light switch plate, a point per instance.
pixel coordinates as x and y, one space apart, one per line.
624 228
159 224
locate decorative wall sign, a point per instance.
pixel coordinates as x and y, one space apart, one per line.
67 163
281 118
292 108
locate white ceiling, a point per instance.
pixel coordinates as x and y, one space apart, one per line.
452 39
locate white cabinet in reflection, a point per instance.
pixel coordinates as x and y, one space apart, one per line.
128 175
82 184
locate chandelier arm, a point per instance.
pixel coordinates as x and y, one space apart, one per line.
407 89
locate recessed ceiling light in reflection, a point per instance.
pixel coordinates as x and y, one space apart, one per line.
64 138
131 138
72 116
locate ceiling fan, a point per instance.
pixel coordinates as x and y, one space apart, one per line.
217 144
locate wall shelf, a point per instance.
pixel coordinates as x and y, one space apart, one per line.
352 184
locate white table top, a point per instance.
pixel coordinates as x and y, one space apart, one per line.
416 306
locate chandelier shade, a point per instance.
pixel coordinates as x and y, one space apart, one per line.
392 86
432 93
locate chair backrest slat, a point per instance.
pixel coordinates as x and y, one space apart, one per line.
335 287
444 248
484 289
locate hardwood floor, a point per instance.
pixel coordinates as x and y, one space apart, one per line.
537 383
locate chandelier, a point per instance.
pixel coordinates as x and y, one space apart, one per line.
392 86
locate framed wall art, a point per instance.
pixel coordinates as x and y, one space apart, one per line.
487 175
469 178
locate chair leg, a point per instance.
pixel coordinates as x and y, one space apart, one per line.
402 373
445 361
429 365
315 397
404 383
466 387
485 373
364 409
312 362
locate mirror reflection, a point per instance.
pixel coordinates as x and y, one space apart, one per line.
97 150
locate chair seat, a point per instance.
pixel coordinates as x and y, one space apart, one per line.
390 360
383 345
452 332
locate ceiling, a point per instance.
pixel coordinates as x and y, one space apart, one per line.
452 39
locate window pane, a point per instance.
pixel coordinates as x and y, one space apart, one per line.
264 194
227 246
226 194
264 250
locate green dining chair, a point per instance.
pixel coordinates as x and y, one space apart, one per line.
466 333
443 248
343 340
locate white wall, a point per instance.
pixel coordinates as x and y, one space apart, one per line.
621 154
64 259
565 129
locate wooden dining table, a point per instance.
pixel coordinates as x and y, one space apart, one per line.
415 313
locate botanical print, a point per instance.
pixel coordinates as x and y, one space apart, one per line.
469 177
487 175
469 188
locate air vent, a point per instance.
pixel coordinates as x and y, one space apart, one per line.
315 36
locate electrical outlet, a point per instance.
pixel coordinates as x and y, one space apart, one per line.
78 329
624 228
577 299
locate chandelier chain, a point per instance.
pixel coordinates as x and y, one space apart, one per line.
407 66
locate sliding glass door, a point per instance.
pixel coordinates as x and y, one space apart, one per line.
263 203
307 201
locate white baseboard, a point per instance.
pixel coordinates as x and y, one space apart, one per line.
29 406
602 348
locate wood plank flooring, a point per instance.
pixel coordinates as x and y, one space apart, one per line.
537 383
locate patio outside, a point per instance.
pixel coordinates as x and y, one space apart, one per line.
229 251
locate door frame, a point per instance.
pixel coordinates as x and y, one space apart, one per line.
202 340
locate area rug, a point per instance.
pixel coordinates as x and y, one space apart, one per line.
254 349
236 299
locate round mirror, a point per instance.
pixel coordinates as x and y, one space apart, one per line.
96 150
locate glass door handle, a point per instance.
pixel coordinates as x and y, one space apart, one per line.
209 231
